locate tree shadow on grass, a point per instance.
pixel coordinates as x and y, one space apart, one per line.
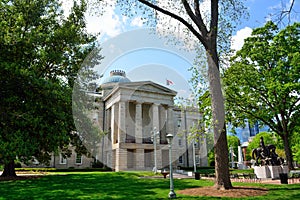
112 185
285 191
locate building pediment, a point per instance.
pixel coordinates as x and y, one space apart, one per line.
143 88
148 86
144 91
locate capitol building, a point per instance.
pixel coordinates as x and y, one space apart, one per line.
136 117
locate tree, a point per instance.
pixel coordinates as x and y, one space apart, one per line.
204 26
263 81
40 53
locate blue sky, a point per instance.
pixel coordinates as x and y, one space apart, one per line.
124 47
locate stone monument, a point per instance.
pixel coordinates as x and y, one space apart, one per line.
241 164
267 162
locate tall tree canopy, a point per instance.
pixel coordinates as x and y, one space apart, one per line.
41 51
263 82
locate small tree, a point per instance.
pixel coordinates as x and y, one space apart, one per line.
234 142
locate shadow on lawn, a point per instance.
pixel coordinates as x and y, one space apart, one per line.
112 185
285 191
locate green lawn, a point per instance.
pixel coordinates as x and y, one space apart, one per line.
112 185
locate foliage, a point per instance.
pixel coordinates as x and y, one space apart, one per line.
295 144
40 53
263 81
234 142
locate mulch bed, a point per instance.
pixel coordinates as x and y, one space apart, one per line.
237 192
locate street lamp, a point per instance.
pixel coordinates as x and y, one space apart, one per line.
154 139
172 194
194 155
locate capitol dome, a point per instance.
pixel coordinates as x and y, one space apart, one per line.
116 76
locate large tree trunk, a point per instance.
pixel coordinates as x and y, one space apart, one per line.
9 170
218 115
288 151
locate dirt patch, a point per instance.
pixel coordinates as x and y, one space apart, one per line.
237 192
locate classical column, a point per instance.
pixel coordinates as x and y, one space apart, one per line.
138 123
122 122
155 117
121 159
140 159
203 151
159 158
170 120
112 124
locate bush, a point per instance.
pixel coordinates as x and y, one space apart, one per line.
97 164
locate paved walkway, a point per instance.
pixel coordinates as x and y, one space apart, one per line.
263 181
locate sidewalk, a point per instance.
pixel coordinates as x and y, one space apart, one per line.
263 181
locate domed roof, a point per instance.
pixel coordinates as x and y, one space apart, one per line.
116 76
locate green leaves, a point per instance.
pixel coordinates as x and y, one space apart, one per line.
263 82
40 53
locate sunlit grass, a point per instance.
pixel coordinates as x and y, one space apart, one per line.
113 185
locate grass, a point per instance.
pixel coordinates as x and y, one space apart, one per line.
117 185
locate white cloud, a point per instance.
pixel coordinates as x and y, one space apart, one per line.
124 19
108 24
137 21
237 40
66 6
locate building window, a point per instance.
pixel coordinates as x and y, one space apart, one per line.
78 159
180 160
197 159
62 159
178 122
179 142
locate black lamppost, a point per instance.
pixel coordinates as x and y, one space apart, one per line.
172 194
194 155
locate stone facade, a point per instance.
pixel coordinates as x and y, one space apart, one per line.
130 113
76 161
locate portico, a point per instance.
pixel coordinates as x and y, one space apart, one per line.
131 111
135 109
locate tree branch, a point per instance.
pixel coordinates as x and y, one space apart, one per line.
197 19
197 8
269 123
214 18
287 12
177 17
